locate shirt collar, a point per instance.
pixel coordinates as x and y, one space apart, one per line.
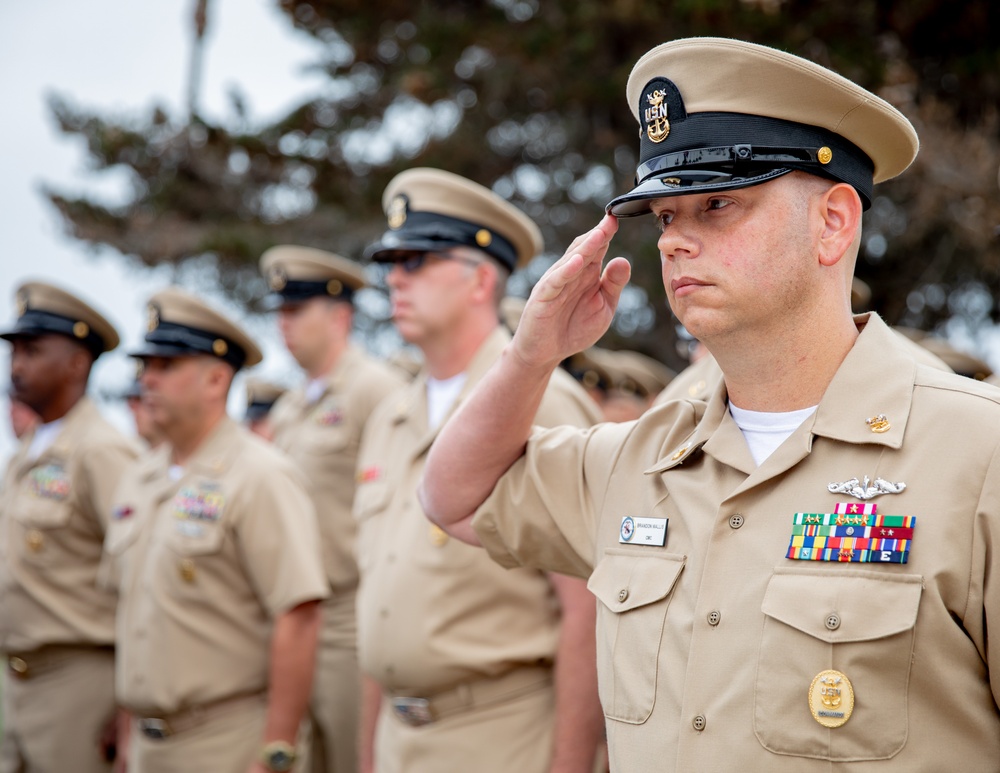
867 401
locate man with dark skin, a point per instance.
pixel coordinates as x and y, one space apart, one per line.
56 623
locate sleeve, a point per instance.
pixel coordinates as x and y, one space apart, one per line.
279 538
102 465
983 609
544 511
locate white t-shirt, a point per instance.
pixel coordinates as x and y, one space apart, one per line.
764 432
440 397
314 389
45 435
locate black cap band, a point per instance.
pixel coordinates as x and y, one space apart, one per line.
301 290
170 339
429 231
35 322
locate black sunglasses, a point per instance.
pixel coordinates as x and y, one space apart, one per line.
414 261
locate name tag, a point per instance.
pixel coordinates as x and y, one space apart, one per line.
643 531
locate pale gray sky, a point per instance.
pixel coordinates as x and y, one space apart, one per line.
119 57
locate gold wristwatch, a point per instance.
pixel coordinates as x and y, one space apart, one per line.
278 756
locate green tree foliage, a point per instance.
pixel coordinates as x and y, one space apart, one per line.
528 96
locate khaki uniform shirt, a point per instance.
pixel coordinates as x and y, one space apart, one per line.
433 611
323 437
53 515
205 564
709 644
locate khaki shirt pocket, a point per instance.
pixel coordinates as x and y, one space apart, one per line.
196 538
634 589
860 623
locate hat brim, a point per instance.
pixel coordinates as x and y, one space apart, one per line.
384 251
684 183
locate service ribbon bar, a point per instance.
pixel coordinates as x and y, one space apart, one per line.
839 519
864 537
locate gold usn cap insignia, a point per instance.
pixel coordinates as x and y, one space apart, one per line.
278 280
657 125
152 317
22 303
396 213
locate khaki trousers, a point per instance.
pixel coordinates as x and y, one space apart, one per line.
513 736
54 716
336 697
227 741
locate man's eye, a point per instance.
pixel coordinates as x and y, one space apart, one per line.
663 219
718 203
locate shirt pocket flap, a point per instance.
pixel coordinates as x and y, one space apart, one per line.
837 607
625 581
371 498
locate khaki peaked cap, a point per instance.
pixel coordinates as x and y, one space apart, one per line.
294 274
261 397
44 309
183 325
430 209
717 114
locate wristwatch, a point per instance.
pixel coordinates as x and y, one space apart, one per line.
278 756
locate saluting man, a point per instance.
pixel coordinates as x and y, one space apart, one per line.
319 425
469 667
799 573
215 547
56 622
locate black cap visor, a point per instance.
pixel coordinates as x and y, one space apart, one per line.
684 183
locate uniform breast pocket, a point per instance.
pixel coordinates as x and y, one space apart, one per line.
859 624
195 538
634 591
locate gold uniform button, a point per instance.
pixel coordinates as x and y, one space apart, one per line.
735 521
833 621
34 540
698 723
18 665
714 617
623 594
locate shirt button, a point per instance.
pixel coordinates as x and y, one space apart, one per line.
623 594
714 617
735 521
698 723
833 621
